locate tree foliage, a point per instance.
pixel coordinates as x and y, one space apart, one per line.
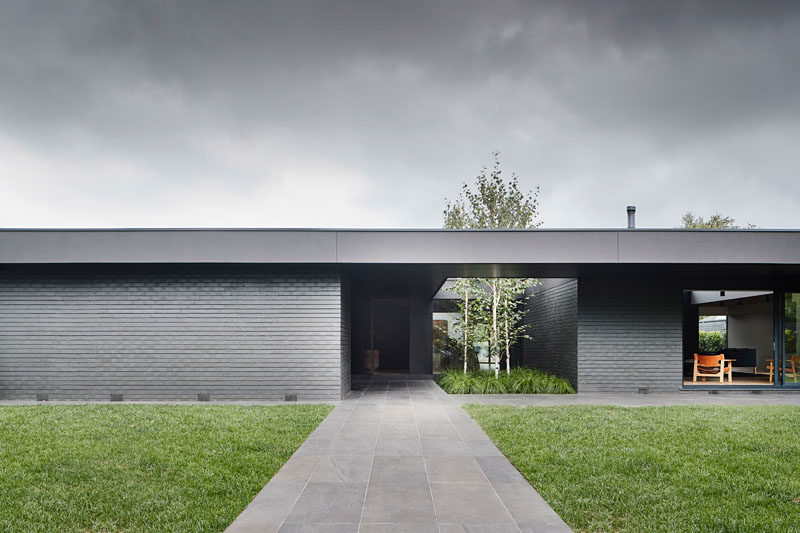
469 306
713 341
491 309
514 294
496 315
493 202
715 221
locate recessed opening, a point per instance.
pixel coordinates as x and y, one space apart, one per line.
729 338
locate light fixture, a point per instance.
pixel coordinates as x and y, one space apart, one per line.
722 293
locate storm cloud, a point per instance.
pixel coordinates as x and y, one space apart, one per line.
369 114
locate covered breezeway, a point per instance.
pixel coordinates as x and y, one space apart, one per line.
184 314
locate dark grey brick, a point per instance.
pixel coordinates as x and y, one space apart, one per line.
552 319
629 336
174 336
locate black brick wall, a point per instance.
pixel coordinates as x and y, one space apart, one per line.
346 328
629 336
552 320
173 336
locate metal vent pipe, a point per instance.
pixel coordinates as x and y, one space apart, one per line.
631 217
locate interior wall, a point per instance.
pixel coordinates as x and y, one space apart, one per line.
750 326
691 317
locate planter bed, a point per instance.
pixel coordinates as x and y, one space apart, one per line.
519 381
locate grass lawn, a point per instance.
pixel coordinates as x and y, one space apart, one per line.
71 468
670 469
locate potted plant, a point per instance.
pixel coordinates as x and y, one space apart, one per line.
372 355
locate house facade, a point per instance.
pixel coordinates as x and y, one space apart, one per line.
262 314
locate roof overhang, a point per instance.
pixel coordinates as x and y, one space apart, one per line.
401 247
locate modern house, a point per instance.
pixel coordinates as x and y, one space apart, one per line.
260 314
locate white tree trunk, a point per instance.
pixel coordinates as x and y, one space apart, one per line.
466 323
508 349
495 301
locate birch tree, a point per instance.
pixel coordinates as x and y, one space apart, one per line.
493 202
493 306
496 296
470 294
512 310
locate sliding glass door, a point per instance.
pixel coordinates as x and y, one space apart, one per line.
791 339
750 339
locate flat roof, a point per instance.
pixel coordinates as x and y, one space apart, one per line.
400 246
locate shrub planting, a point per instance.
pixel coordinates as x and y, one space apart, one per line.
518 381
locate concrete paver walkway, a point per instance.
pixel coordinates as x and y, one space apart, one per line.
632 400
398 456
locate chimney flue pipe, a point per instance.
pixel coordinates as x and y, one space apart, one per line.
631 217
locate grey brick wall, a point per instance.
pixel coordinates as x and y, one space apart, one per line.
420 325
346 327
552 321
629 336
171 336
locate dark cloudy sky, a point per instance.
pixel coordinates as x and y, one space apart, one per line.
368 114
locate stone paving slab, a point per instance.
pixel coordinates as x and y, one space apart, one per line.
399 455
632 400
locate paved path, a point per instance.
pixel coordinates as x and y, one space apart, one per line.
398 456
632 400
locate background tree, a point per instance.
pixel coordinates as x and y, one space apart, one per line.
715 221
493 203
712 341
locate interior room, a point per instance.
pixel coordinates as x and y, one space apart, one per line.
731 338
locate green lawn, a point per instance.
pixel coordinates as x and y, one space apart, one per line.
133 468
670 469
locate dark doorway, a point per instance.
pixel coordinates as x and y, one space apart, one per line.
381 329
391 323
391 333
